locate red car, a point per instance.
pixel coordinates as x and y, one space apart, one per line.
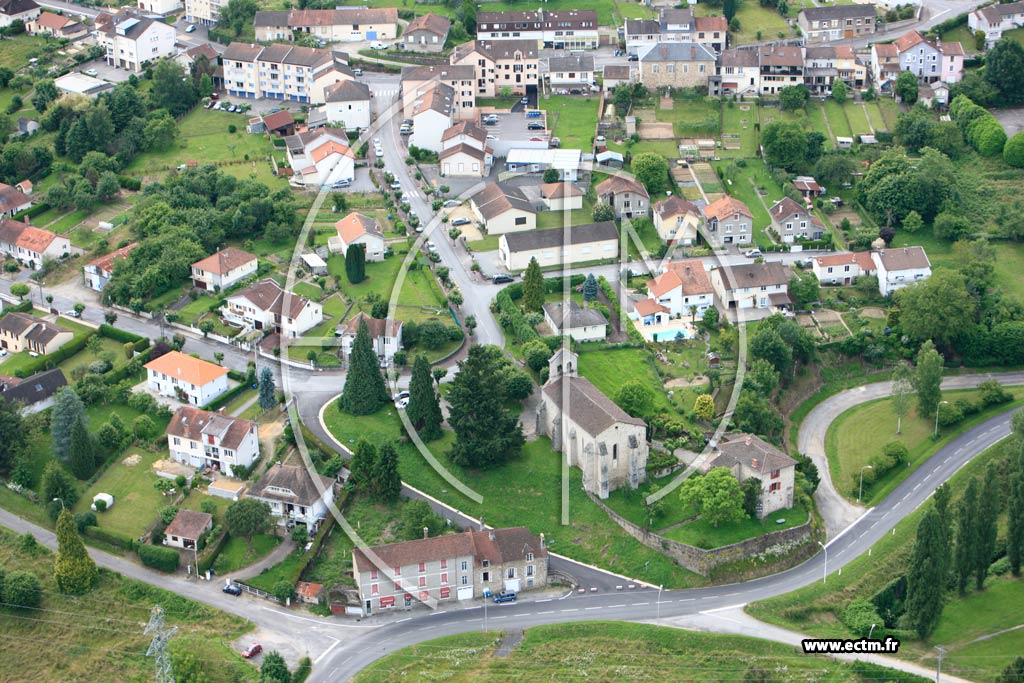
251 651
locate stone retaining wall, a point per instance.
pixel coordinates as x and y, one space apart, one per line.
779 544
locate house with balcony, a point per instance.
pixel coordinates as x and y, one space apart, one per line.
203 12
200 439
193 380
512 64
281 71
320 157
265 306
738 72
218 272
295 495
727 221
449 568
930 60
837 22
825 64
385 336
750 457
781 66
753 285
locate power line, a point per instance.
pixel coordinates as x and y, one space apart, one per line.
158 648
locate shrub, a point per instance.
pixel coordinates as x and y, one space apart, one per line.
859 616
1013 151
85 519
101 505
283 590
993 394
22 589
949 414
110 537
159 558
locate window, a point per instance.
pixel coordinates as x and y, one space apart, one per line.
463 565
776 486
444 578
529 570
465 580
374 589
485 564
529 557
775 474
398 571
423 567
373 574
521 220
444 564
486 577
423 581
511 573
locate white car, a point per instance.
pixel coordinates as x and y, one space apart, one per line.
431 246
396 185
405 197
753 253
377 45
92 72
191 28
376 142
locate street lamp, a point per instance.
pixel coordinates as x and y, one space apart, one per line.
940 404
872 630
61 502
824 572
660 587
860 491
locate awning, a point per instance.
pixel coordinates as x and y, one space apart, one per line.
446 592
780 299
388 601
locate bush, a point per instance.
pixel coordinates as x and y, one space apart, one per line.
283 590
159 558
110 537
85 519
949 414
22 589
859 616
993 394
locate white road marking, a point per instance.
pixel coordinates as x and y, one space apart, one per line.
615 606
686 600
327 651
638 604
548 612
409 618
545 600
587 609
570 610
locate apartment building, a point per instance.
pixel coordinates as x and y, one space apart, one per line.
781 66
511 64
280 72
199 438
203 12
560 29
344 24
131 41
417 80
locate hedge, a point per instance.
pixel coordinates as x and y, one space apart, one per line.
226 397
981 130
209 556
110 537
23 307
158 557
314 549
522 329
125 371
119 335
305 666
52 360
631 331
237 375
32 211
129 183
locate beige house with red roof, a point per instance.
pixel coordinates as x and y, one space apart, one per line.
561 196
459 566
748 456
194 380
427 33
220 271
265 306
56 26
199 438
677 220
31 245
842 269
321 156
385 336
727 221
97 273
25 332
186 528
683 288
356 228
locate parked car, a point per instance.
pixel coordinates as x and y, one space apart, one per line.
253 650
405 130
753 253
405 197
357 71
233 108
232 589
400 395
395 185
92 72
3 352
505 596
633 58
501 279
214 96
73 314
452 202
377 45
338 184
209 105
525 100
431 246
461 221
191 28
490 119
535 125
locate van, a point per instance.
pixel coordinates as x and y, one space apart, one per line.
405 130
357 71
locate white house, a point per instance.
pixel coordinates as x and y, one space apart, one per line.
347 105
341 24
993 19
900 267
295 495
527 160
753 285
321 156
677 220
219 271
465 152
930 61
683 287
31 245
17 10
199 439
502 209
194 380
265 306
161 7
12 200
586 243
573 70
842 269
432 116
186 528
561 196
582 324
97 273
385 334
132 40
356 228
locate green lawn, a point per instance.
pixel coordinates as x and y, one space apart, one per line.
84 357
69 221
308 290
856 116
380 277
605 652
816 116
17 361
816 608
529 491
191 312
875 116
487 243
573 119
837 119
607 369
702 534
746 191
17 51
136 502
279 572
740 120
692 117
557 219
859 434
236 553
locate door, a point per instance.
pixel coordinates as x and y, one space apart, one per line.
371 35
465 593
512 585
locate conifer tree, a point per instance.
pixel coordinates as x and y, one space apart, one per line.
926 585
966 536
83 455
387 484
1015 516
424 409
364 391
988 516
73 569
68 410
361 467
590 288
355 263
533 287
267 400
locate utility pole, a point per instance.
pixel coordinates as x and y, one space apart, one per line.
938 669
158 648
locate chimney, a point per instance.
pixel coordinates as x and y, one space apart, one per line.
755 464
426 532
490 534
542 542
28 220
748 440
693 52
481 524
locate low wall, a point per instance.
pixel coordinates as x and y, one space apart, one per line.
779 544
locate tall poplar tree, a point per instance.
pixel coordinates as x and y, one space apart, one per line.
928 380
1015 516
926 585
966 535
424 409
988 517
73 570
364 391
533 287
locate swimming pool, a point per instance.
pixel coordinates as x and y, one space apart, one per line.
672 334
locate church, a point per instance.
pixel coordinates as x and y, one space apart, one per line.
596 435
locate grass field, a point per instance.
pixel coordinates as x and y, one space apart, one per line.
754 19
98 636
740 122
605 652
875 117
837 119
703 535
816 115
136 502
17 361
529 489
816 608
608 368
857 117
236 554
17 50
745 187
859 434
577 117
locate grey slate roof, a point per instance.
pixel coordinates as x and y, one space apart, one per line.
577 316
588 407
751 451
838 12
677 52
541 239
36 388
571 63
295 483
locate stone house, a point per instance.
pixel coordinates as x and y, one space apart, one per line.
792 222
748 456
676 65
626 195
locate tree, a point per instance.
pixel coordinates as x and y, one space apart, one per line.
533 287
73 569
43 94
82 457
57 483
68 412
751 496
906 87
387 484
1013 673
1004 69
769 345
20 290
937 308
839 91
636 398
927 381
273 668
159 133
550 175
1013 151
913 222
355 263
1015 513
785 144
424 409
283 590
651 170
364 457
364 391
833 169
417 515
108 186
950 225
486 432
926 580
988 516
22 589
716 497
804 289
590 289
793 97
143 427
965 559
709 320
602 212
915 128
171 89
267 399
729 8
205 85
902 388
246 518
704 407
12 435
762 377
